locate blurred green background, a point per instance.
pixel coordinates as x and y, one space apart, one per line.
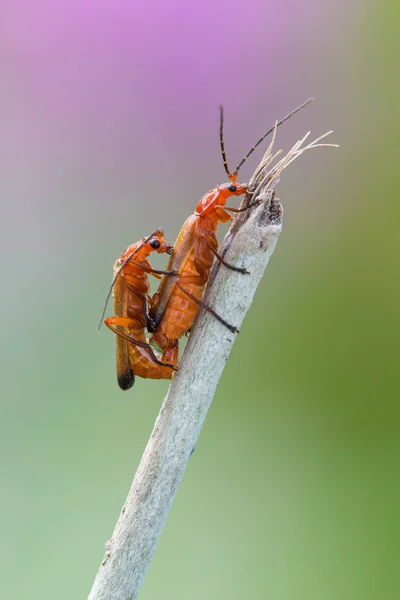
109 129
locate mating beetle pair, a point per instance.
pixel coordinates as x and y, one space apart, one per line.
171 311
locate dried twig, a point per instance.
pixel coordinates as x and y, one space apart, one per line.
249 243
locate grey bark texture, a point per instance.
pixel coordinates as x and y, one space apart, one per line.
249 243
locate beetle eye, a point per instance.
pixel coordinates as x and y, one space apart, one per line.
232 188
155 244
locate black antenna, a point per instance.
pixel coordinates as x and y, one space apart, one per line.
221 140
128 258
265 135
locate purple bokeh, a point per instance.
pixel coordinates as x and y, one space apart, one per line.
116 71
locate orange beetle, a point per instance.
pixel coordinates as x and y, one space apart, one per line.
131 306
178 300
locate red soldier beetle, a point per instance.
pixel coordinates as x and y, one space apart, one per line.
131 288
178 300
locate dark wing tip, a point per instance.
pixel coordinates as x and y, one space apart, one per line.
126 380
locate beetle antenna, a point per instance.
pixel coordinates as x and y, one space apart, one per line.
221 140
127 259
267 133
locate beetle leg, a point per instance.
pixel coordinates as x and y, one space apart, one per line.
231 328
126 322
202 271
170 354
223 216
149 321
220 259
172 273
159 362
239 210
133 324
169 347
149 269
